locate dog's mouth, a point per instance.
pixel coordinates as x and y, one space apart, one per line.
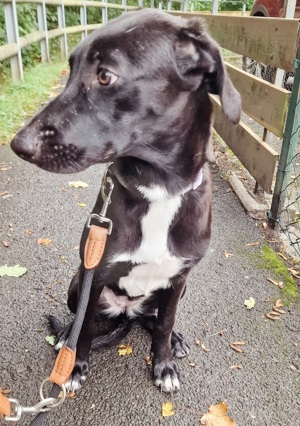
46 150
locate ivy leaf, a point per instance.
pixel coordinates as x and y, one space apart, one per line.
249 303
12 271
50 340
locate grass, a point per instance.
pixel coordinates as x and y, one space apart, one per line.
272 262
20 101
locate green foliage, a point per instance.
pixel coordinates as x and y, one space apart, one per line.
19 101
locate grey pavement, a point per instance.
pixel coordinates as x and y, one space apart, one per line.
265 391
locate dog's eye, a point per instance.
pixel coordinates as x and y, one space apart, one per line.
106 77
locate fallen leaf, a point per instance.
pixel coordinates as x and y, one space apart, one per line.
50 340
280 284
5 243
81 204
124 350
274 316
264 225
235 367
197 341
12 271
252 244
3 193
278 303
44 241
227 254
64 72
274 282
192 364
204 348
78 184
249 303
234 346
277 310
294 273
281 255
167 409
148 360
217 416
68 394
28 232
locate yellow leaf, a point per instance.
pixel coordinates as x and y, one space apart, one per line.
124 350
44 241
81 204
167 409
217 416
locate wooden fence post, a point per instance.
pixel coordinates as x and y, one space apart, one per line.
62 24
12 31
42 24
83 20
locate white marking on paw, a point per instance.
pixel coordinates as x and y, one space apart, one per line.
168 384
59 345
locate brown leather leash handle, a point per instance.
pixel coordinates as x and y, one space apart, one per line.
4 406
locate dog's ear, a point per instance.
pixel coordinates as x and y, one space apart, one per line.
199 62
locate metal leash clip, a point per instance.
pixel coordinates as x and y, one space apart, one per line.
46 404
106 185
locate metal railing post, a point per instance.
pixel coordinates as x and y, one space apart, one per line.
215 7
104 14
42 25
12 31
62 24
83 20
289 142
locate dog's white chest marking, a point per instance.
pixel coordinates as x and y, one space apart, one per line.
154 264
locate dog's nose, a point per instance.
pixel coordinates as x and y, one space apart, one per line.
23 145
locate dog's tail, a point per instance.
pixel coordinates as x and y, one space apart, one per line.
112 337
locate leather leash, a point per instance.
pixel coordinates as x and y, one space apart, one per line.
10 409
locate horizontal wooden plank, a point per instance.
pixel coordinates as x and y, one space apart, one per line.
8 50
272 41
264 102
257 156
78 3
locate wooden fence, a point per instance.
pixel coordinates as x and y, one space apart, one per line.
269 40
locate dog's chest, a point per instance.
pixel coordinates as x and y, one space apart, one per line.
153 264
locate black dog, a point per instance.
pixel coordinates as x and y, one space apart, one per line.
138 95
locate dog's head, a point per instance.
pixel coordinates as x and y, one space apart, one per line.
138 87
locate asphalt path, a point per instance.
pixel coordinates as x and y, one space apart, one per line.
261 385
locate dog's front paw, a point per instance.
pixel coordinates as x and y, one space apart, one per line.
166 376
179 346
78 376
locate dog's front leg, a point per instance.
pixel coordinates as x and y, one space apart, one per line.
80 371
165 371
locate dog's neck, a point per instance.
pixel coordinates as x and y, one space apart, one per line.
143 180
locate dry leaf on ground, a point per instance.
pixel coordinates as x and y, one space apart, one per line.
124 350
217 416
167 409
78 184
235 346
44 241
227 254
204 348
